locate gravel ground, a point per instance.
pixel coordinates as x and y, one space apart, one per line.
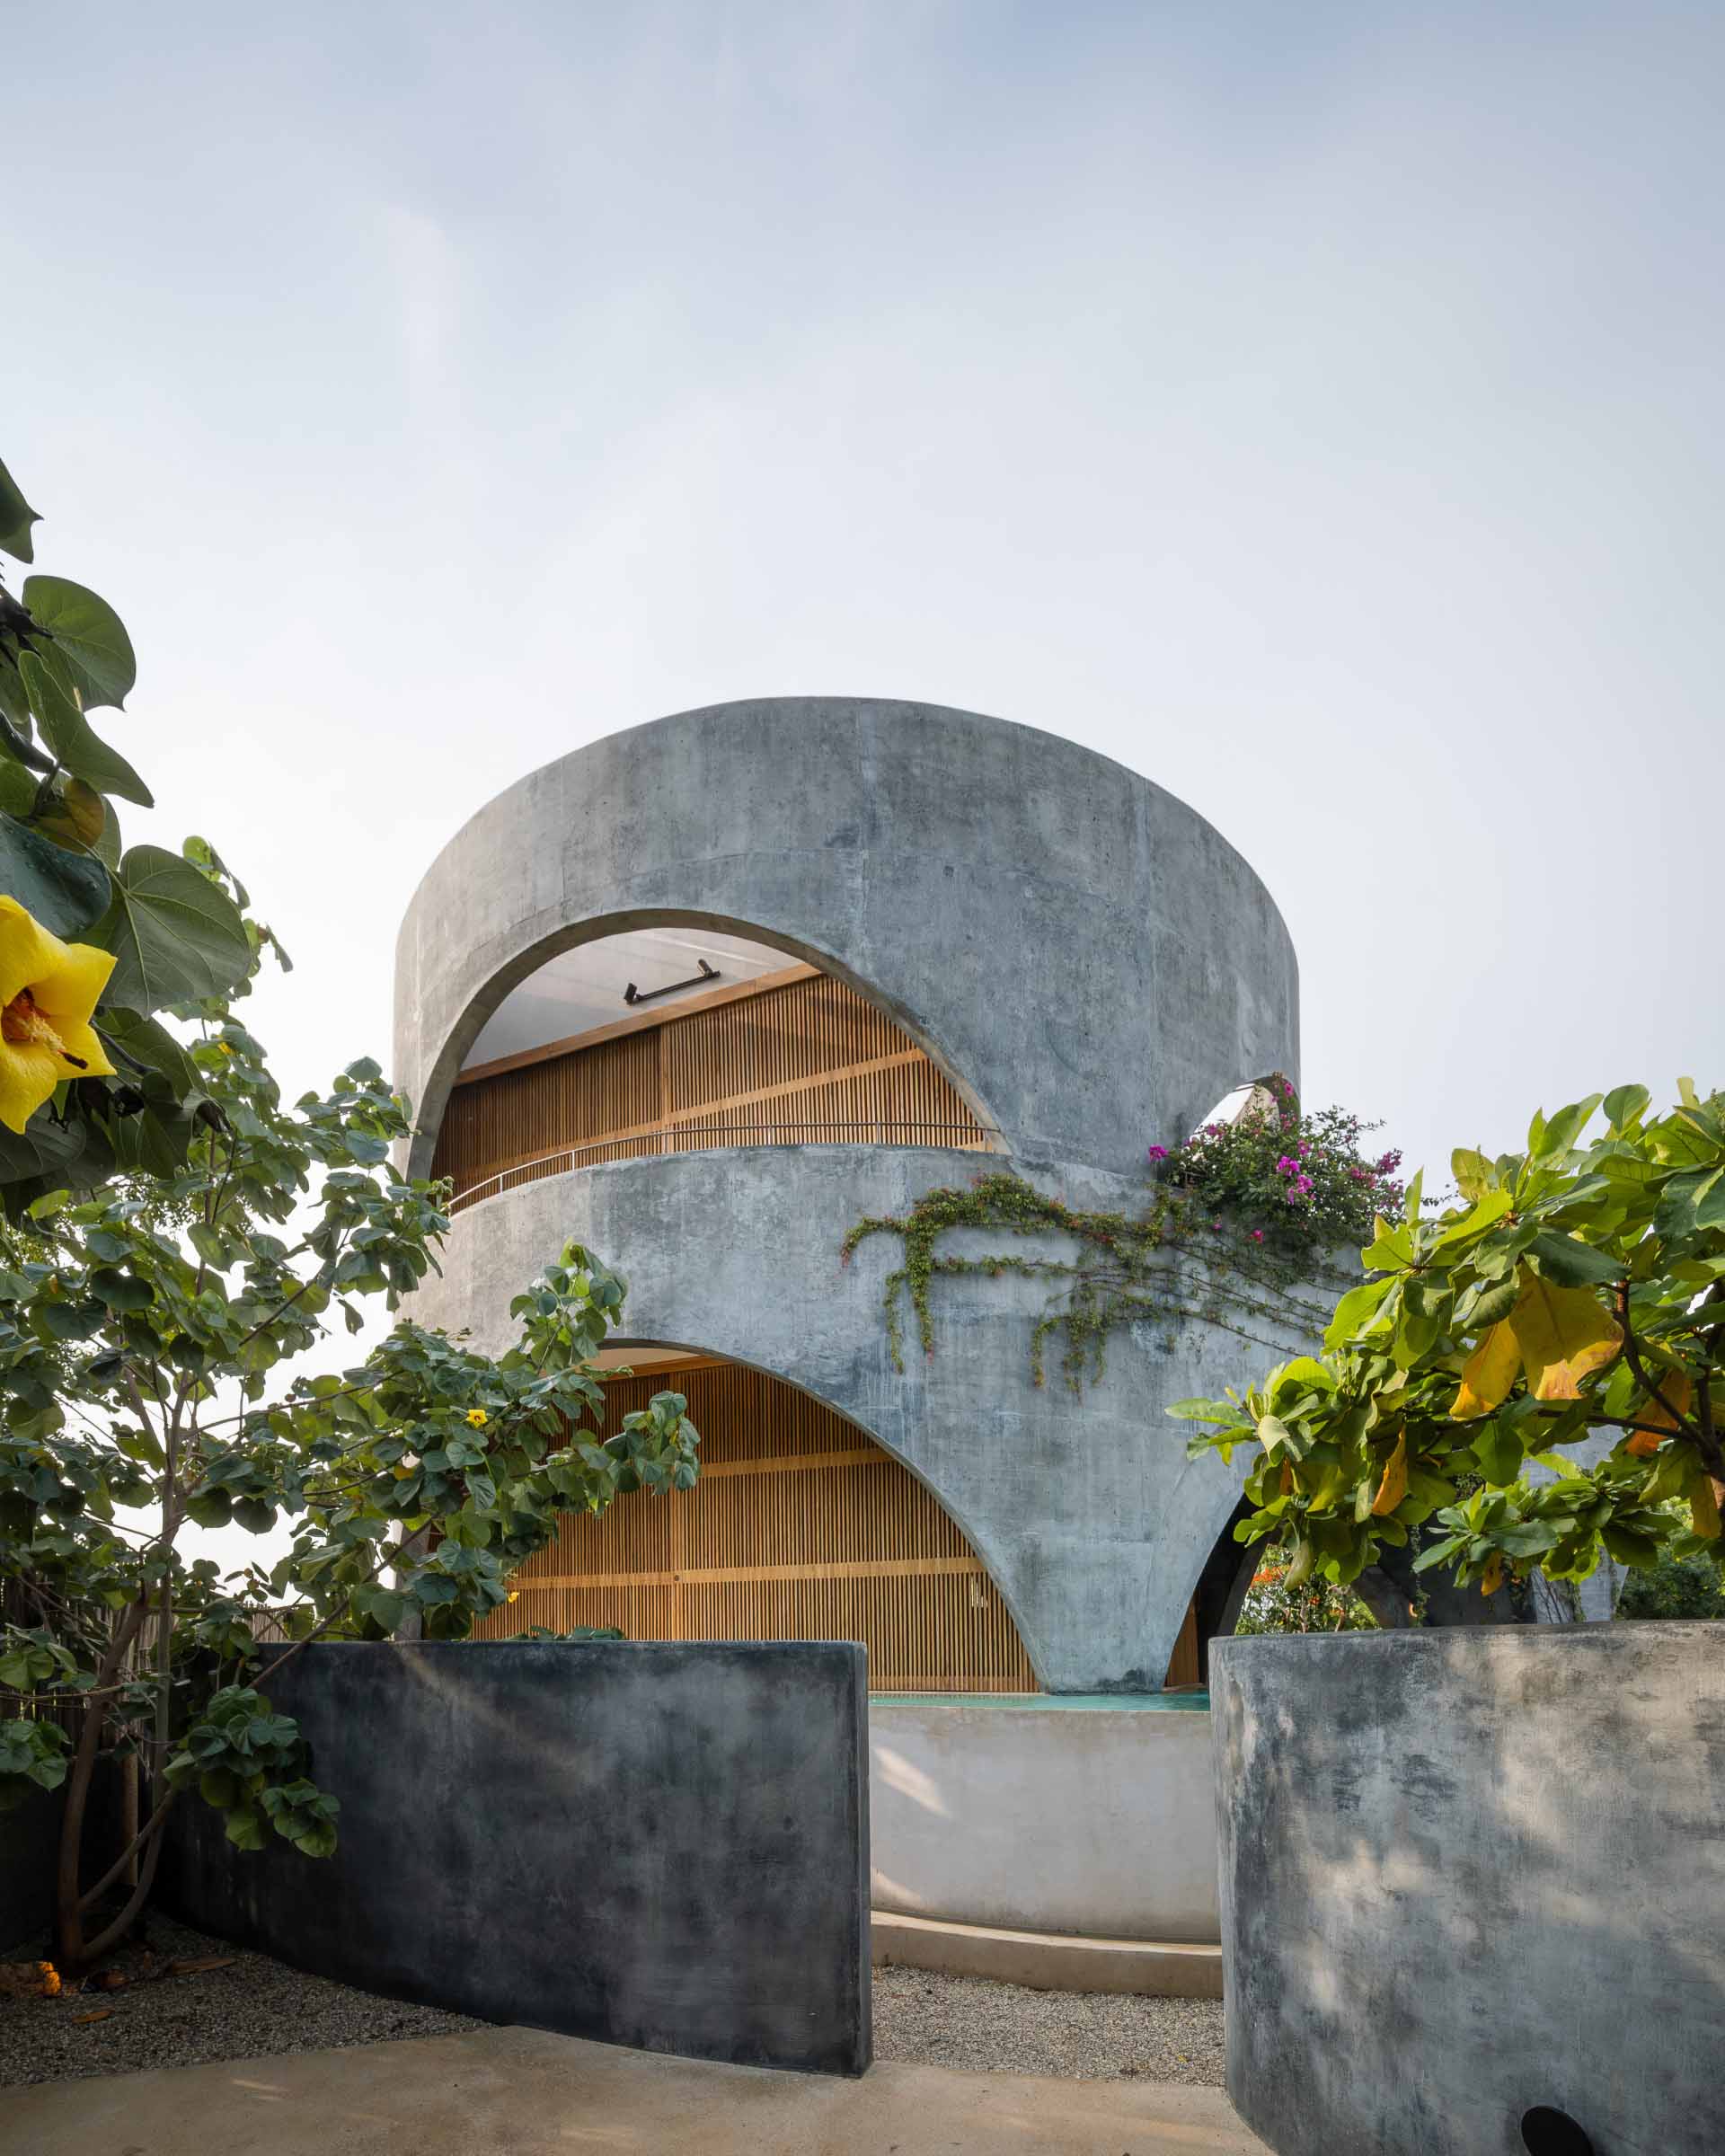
984 2028
254 2007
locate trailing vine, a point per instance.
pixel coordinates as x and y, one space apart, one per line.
1168 1263
1233 1222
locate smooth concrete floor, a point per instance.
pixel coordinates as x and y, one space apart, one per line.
519 2092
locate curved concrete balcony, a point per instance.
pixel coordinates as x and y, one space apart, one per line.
1088 1514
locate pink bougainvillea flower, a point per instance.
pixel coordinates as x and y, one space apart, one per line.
1158 1153
48 992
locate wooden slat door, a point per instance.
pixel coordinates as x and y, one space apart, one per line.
800 1528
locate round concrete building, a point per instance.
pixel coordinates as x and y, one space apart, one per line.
706 994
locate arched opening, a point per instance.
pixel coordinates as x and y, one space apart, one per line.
800 1527
679 1038
1214 1610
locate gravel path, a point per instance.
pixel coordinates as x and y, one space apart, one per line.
245 2011
256 2006
984 2028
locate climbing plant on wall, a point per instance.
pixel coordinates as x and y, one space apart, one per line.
1232 1223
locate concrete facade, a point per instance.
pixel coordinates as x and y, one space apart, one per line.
1469 1874
661 1845
1089 961
1098 1820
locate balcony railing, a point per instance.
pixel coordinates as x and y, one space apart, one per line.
968 1136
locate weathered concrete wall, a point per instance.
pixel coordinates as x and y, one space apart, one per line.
664 1846
1467 1874
1091 961
1089 1515
1095 1820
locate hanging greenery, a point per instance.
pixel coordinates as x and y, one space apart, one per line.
1170 1264
1235 1219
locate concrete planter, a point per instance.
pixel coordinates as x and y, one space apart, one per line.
1467 1874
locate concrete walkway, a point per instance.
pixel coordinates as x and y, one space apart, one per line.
517 2092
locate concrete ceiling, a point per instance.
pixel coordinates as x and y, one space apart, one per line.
584 988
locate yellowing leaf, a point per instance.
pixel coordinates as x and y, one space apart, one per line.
1676 1388
1491 1578
1488 1373
1472 1173
1393 1488
1703 1508
1564 1334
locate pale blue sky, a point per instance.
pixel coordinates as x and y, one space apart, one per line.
1317 409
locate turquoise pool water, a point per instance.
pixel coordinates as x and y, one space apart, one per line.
1055 1702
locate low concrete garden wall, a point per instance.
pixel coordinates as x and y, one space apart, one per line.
1045 1815
1465 1874
659 1845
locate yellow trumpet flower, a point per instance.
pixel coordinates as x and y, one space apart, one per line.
478 1418
48 991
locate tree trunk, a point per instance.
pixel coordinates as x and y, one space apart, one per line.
1398 1597
68 1914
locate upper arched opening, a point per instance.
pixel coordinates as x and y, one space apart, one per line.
679 1037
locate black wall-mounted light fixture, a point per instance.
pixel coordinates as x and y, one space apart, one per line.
632 994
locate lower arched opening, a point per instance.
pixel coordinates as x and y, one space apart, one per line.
800 1527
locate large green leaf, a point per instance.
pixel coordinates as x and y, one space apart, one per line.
88 634
18 786
145 1040
14 705
67 733
64 891
42 1148
16 516
177 938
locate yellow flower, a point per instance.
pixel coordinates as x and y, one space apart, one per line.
47 990
514 1594
478 1418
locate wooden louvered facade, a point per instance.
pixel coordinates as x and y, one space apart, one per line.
795 1058
800 1528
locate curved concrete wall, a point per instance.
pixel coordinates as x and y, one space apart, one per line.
661 1844
1092 961
1099 1821
1087 1513
1469 1873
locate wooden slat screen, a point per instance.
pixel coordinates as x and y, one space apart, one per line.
809 1062
800 1528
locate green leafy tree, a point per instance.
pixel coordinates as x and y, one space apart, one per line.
175 1238
1314 1605
95 938
1572 1291
145 1337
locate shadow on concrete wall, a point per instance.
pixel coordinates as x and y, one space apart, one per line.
1468 1874
659 1845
